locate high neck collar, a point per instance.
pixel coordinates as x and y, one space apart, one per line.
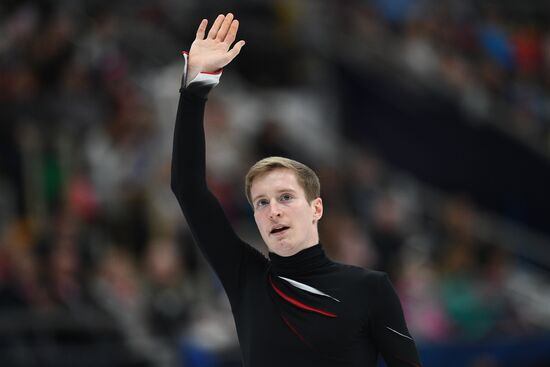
304 262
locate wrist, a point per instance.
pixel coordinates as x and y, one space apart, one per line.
197 80
192 73
192 69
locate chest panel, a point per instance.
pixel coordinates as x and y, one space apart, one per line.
300 319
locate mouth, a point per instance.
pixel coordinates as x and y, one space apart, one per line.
277 230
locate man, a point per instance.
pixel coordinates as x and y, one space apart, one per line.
297 308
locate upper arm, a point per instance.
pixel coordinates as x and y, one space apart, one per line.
211 230
389 328
224 250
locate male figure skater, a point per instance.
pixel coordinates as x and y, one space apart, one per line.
296 308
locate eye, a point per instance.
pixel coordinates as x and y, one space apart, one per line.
286 197
261 203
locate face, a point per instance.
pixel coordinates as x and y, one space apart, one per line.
285 218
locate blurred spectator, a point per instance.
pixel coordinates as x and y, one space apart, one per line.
169 290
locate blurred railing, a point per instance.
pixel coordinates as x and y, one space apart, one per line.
506 352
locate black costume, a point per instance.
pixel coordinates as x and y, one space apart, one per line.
298 311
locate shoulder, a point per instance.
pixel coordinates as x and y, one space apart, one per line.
369 289
363 277
362 273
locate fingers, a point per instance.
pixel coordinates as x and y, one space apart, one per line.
201 29
216 27
232 33
224 27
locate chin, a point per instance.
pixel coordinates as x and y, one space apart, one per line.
282 248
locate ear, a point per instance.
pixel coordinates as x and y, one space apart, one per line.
317 206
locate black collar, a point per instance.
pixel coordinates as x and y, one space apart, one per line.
307 261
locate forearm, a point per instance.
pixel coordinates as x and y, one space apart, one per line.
188 152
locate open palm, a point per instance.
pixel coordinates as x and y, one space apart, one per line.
213 52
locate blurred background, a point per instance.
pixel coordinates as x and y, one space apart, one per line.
428 122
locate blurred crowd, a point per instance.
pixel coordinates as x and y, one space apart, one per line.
492 56
94 251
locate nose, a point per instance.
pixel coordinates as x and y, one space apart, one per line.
274 209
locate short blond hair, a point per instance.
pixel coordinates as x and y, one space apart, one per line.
307 178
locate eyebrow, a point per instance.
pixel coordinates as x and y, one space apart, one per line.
278 191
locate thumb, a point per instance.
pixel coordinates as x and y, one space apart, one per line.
235 50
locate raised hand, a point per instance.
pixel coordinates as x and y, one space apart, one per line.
214 52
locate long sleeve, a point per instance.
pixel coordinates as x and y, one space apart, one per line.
389 328
211 230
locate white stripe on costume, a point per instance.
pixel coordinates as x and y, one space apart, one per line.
397 332
206 78
307 288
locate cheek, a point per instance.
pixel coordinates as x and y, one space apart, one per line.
258 220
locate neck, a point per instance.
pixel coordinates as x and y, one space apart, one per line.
305 261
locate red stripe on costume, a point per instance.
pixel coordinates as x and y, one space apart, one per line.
293 329
213 72
299 304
